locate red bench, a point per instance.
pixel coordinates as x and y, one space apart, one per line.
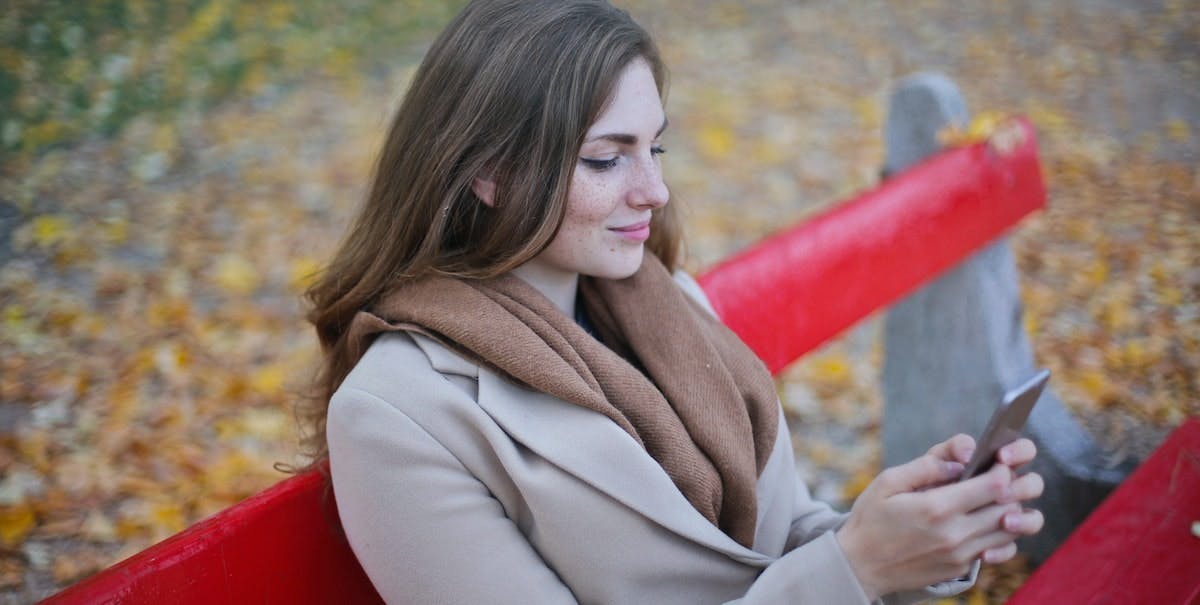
1141 545
784 297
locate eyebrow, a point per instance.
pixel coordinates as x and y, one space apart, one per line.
623 138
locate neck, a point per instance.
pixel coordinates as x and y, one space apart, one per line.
558 286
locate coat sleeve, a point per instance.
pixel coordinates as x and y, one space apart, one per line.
423 528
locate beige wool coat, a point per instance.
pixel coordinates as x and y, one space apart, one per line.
456 486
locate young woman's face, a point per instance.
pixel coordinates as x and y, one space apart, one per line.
617 182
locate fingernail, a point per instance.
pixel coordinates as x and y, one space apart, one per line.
1012 522
1005 455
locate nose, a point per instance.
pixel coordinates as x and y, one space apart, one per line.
648 190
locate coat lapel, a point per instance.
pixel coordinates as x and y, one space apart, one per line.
593 448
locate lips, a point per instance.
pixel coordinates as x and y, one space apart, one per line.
638 232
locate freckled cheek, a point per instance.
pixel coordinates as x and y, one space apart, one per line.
595 198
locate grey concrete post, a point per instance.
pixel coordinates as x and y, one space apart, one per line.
953 347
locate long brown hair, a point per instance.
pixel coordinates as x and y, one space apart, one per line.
508 90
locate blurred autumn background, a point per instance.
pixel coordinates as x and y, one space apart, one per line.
172 173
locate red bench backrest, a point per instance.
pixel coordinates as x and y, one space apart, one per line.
280 546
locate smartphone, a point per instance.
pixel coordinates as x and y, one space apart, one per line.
1005 424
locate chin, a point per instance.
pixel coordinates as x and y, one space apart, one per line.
619 268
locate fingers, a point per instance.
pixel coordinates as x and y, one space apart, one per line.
1018 453
999 546
955 449
1027 522
919 473
977 492
1028 487
1000 554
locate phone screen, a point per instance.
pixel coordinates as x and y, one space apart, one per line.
1006 423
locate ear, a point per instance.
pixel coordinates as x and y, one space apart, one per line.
485 189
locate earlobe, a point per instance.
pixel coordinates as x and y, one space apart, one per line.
485 189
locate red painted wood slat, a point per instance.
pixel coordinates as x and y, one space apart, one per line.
1138 546
282 545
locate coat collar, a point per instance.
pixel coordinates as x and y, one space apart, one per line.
442 358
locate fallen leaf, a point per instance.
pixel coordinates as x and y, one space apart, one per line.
236 275
15 523
50 230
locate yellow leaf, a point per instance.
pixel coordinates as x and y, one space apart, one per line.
115 231
976 597
171 360
205 21
868 112
1136 356
982 127
857 483
49 230
35 446
15 523
1116 316
14 319
127 528
1031 323
1097 273
222 475
832 368
168 313
1169 296
715 140
268 380
1179 131
1047 119
302 273
236 275
766 152
1094 383
168 517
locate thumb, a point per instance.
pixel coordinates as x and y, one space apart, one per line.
927 471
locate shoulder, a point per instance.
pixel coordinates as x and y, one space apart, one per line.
401 368
692 288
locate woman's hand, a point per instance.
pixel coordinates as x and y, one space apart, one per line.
916 524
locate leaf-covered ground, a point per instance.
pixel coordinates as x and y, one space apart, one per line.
152 344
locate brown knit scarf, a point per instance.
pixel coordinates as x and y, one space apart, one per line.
705 407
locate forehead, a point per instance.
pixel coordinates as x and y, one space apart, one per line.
635 106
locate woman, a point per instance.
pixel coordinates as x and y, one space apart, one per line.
526 406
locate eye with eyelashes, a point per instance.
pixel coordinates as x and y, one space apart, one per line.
605 164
